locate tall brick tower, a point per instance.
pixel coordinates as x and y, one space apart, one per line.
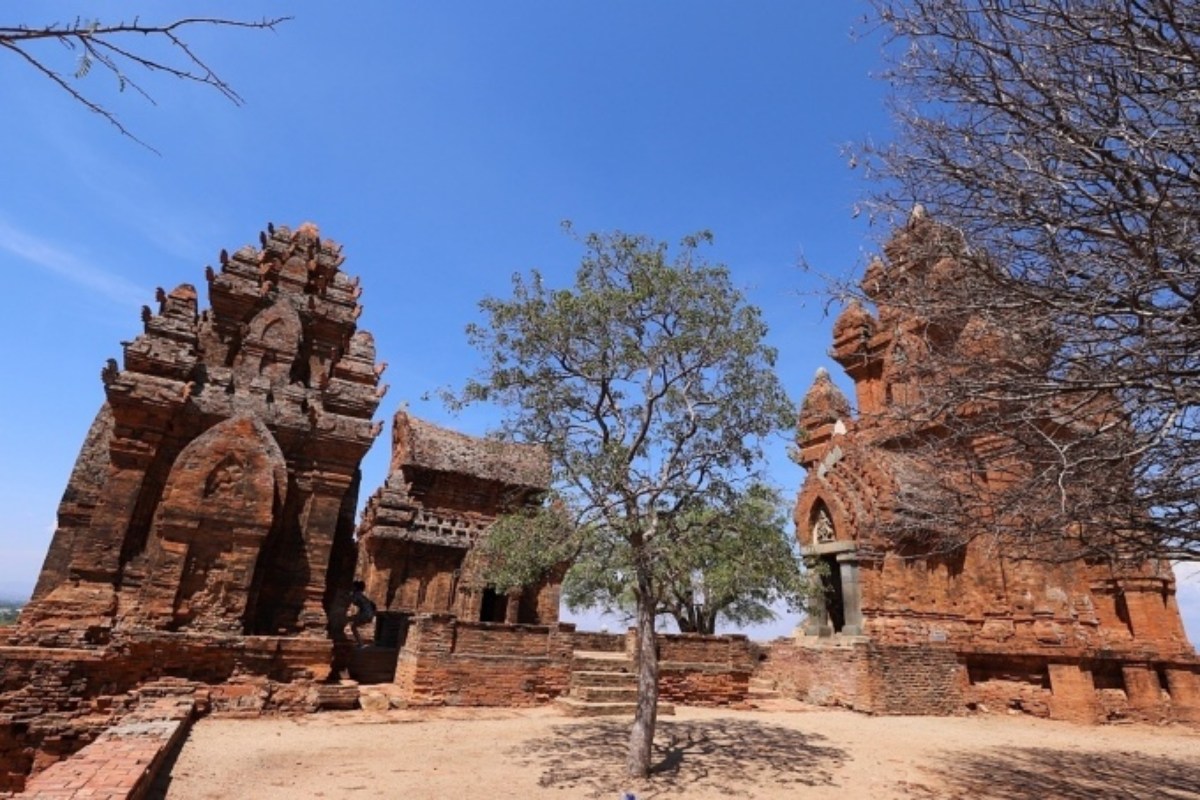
216 490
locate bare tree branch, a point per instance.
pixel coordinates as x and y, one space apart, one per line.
1056 145
109 46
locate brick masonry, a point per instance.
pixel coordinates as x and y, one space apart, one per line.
904 621
447 661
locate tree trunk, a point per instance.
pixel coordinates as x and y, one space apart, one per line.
641 737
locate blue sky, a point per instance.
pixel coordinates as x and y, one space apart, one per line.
441 144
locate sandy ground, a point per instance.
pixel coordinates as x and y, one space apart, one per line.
784 751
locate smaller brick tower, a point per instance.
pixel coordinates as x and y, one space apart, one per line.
904 626
419 530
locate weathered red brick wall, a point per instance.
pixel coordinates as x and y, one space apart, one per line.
703 685
490 639
695 648
602 642
54 701
449 662
915 680
1000 683
866 676
125 759
937 679
835 674
701 670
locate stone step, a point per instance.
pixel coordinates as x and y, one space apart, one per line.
763 689
372 665
601 662
341 696
616 655
572 707
605 694
590 678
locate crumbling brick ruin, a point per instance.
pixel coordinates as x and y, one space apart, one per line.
905 627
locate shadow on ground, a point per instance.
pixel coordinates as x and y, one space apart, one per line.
723 755
1018 774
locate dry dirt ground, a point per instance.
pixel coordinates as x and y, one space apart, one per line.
785 751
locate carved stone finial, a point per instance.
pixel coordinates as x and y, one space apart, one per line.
824 402
110 371
224 256
147 314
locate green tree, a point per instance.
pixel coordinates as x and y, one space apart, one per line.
738 564
651 386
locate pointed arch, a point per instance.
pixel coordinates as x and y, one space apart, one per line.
220 501
273 342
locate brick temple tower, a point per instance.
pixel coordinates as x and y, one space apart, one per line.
902 626
216 490
419 532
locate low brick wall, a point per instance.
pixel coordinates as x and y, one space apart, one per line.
55 701
1008 684
939 679
825 673
915 679
124 761
701 670
602 642
446 661
490 639
866 676
449 662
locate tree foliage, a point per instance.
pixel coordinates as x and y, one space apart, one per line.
127 51
1056 143
649 383
737 565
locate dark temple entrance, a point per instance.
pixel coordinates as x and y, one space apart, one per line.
831 592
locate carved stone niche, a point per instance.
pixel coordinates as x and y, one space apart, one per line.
271 346
220 502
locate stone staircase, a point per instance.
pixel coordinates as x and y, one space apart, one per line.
603 684
763 689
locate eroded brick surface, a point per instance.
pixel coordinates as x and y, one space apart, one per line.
206 531
420 529
227 451
906 626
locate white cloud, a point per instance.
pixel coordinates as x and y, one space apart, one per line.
52 258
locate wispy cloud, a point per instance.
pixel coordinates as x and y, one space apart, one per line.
53 258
